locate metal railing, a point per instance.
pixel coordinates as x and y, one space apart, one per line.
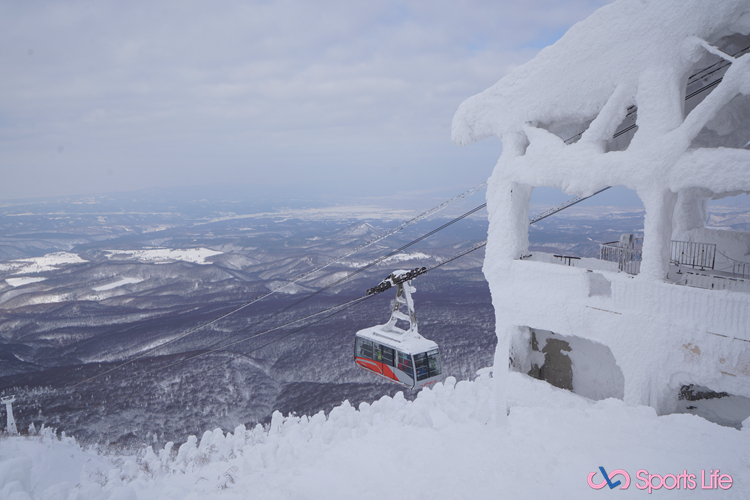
628 258
740 269
568 259
695 255
686 253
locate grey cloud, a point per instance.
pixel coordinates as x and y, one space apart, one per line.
144 93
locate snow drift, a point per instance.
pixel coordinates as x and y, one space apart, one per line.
438 446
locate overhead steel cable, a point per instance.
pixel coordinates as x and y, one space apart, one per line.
216 347
699 75
302 276
703 73
359 270
378 238
718 65
212 349
341 307
569 203
711 69
223 343
563 206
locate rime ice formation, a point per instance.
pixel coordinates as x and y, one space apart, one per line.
10 427
647 94
437 446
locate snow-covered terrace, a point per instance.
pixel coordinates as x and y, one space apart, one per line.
662 335
593 283
698 265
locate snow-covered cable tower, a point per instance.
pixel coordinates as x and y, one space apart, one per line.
8 401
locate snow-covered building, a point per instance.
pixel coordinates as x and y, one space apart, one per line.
653 95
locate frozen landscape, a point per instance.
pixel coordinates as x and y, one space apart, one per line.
252 451
566 371
105 297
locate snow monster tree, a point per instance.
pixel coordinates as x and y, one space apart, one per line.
653 95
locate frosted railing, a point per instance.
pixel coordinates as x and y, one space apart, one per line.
628 258
693 254
739 269
687 253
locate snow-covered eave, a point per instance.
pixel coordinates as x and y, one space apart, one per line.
659 157
722 171
627 45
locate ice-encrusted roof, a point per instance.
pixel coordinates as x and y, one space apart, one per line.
643 47
629 67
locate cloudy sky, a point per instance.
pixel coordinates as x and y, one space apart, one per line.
325 95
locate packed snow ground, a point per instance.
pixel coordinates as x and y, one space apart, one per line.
165 255
119 283
442 445
42 264
26 280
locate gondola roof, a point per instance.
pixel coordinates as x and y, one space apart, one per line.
411 343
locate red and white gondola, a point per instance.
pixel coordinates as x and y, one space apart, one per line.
400 355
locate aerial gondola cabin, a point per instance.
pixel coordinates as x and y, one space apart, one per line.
400 355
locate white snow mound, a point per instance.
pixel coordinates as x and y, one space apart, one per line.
444 444
165 255
40 264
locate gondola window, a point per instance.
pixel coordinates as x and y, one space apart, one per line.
388 355
433 359
364 348
404 363
427 364
375 351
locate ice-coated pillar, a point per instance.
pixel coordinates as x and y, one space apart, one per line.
500 374
507 207
11 427
507 239
657 233
690 212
